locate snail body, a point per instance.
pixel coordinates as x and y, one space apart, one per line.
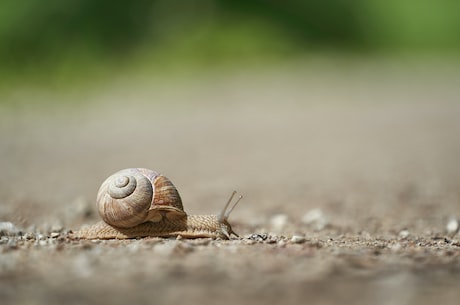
139 202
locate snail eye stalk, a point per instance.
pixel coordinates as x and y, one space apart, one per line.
223 215
233 206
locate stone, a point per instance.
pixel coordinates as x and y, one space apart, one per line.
298 239
278 222
8 228
452 226
316 219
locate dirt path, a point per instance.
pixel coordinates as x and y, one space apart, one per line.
349 180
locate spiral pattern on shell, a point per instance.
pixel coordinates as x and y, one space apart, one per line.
136 195
124 198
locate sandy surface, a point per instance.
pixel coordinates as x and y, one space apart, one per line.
350 177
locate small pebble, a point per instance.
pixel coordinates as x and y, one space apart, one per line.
452 226
298 239
404 234
278 222
8 228
54 234
258 237
315 218
29 236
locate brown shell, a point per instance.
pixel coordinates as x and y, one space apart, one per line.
136 195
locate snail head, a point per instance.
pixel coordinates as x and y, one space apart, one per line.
222 217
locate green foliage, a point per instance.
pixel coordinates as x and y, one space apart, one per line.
417 25
55 37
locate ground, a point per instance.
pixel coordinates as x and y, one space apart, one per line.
350 177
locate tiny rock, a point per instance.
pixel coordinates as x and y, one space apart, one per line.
29 236
315 218
281 243
8 228
54 234
452 226
404 234
278 222
258 237
298 239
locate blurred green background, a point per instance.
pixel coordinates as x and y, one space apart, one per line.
61 43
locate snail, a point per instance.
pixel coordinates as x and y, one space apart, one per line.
139 202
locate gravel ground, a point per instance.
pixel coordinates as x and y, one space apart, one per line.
350 176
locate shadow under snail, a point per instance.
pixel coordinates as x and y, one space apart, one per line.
139 202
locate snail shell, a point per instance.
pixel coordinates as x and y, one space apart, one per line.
136 195
138 202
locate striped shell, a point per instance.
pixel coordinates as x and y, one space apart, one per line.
137 195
